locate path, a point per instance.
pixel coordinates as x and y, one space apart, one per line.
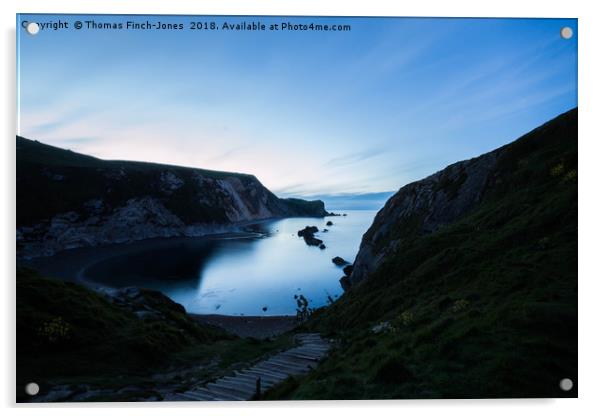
242 385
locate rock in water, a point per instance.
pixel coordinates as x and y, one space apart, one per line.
308 230
308 235
345 283
312 241
329 223
339 261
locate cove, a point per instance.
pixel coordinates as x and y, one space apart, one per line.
254 274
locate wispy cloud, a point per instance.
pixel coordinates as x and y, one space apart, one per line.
366 111
356 157
228 154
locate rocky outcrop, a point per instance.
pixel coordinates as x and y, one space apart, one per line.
348 270
424 206
67 200
420 208
339 261
308 235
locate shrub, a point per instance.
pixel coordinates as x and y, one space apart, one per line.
460 305
55 331
557 170
303 309
407 318
570 176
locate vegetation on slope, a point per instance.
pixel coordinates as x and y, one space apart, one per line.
68 335
53 181
483 307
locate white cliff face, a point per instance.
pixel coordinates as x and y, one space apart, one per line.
419 208
240 201
244 207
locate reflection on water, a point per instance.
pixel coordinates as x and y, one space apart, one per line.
230 276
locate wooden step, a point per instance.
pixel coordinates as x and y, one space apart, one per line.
269 374
227 394
291 361
252 379
288 365
295 359
301 356
265 377
197 395
309 334
314 342
286 369
247 378
274 374
307 340
308 353
272 371
241 385
311 349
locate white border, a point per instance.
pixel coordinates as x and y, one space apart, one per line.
590 232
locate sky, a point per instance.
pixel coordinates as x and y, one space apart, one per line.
308 112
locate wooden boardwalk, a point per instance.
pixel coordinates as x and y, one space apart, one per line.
243 384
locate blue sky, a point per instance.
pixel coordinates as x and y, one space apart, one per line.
391 101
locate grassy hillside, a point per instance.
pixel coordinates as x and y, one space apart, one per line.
68 335
66 181
483 307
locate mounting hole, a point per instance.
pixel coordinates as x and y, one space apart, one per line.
32 389
566 384
566 32
32 28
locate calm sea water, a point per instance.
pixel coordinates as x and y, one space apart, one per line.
230 276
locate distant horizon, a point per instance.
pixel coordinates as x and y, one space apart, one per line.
308 113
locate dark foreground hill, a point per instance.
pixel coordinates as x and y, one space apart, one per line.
127 344
67 200
465 286
65 331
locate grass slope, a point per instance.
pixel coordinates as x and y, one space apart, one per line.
484 307
64 181
84 178
70 335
